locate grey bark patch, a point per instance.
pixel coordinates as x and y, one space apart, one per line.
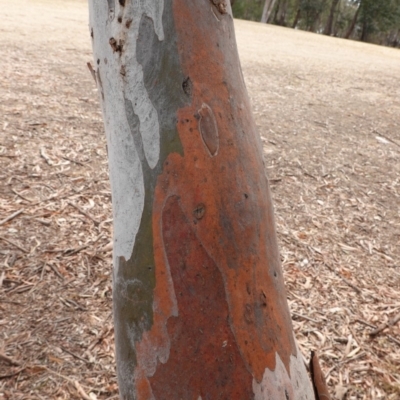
162 78
141 84
162 81
134 125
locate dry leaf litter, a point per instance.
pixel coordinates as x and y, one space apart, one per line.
328 113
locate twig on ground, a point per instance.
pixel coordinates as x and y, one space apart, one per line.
43 221
45 156
382 327
81 391
14 244
10 375
84 212
9 360
73 161
346 281
55 269
390 337
361 321
50 371
394 340
304 317
10 217
22 196
70 252
76 355
387 138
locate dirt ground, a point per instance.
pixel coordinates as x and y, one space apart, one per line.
328 112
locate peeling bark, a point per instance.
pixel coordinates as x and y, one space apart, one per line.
200 306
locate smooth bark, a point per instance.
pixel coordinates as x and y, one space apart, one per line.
267 9
200 307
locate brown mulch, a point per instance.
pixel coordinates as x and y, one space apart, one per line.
328 112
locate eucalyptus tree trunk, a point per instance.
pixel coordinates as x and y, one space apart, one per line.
267 9
200 307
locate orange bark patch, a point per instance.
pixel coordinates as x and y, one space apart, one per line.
238 228
203 348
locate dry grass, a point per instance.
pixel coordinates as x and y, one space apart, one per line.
328 113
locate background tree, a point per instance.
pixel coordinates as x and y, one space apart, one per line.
378 17
375 21
311 11
249 9
329 22
357 6
200 308
268 7
280 16
297 14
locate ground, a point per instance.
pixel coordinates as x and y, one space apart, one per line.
328 113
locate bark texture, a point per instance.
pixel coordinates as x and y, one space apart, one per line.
200 307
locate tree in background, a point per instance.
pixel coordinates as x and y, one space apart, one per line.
352 25
311 11
376 21
281 14
329 23
248 9
268 7
297 15
200 308
378 17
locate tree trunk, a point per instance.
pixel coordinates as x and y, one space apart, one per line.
364 32
268 7
200 307
281 14
393 39
353 23
329 23
296 18
314 26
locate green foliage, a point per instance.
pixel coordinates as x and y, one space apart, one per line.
375 21
378 16
311 11
248 9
